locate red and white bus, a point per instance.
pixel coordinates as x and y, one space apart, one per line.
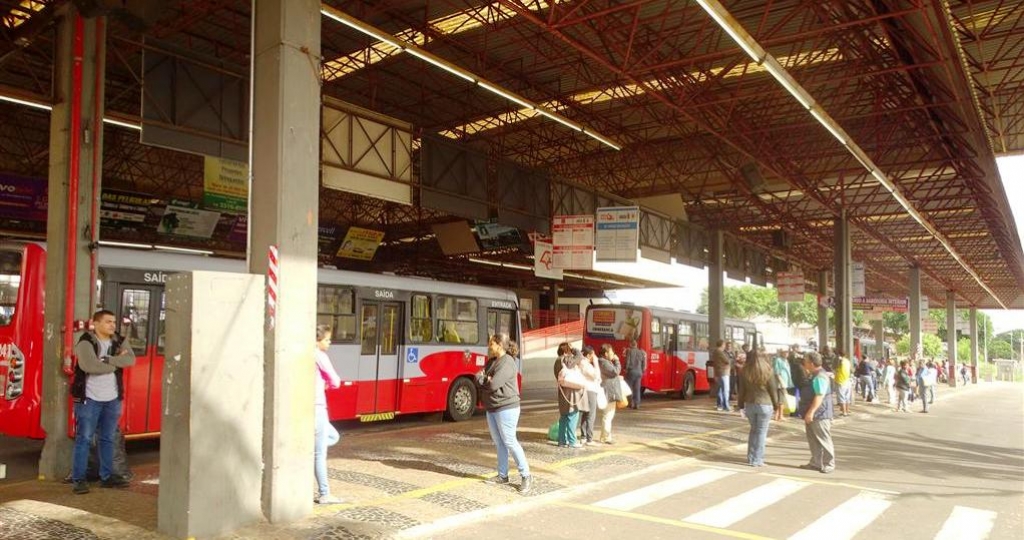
401 345
676 342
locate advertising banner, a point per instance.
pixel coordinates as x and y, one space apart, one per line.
790 286
858 280
899 305
124 209
618 233
572 239
185 221
544 261
360 244
617 323
225 185
239 233
23 198
494 236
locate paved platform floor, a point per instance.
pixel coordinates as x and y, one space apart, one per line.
416 478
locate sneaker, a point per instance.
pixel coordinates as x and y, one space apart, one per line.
80 487
609 441
114 481
328 499
577 445
497 480
828 471
810 467
526 485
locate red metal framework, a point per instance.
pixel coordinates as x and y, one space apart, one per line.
930 89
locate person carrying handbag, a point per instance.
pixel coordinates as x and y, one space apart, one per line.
572 397
610 385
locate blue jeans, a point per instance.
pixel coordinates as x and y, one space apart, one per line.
95 418
502 425
635 380
927 396
722 392
325 436
758 416
567 429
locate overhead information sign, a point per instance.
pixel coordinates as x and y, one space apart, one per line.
617 233
225 185
573 242
544 261
360 243
899 305
858 280
790 286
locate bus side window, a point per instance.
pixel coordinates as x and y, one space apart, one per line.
10 282
421 329
336 307
702 336
657 339
685 336
134 323
457 320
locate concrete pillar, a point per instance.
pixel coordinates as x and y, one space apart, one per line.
843 285
284 212
974 344
915 311
822 310
716 290
878 329
78 82
951 337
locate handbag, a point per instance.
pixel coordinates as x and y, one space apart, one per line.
624 388
571 378
602 399
790 405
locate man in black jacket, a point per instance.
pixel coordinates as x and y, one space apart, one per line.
98 390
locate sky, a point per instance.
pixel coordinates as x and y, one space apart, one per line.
691 281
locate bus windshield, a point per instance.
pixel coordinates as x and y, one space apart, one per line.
617 323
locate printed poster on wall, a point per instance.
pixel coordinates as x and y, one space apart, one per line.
544 261
790 286
618 233
618 323
185 221
858 280
572 239
225 185
124 209
23 198
360 243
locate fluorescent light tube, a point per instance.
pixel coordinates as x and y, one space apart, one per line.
601 139
356 26
26 103
184 250
125 244
119 123
829 125
777 71
712 8
560 120
438 63
514 99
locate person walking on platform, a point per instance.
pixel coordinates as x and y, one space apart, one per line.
759 399
816 409
610 368
636 366
902 386
783 378
592 374
97 391
866 380
928 380
499 393
324 433
720 363
844 384
889 381
571 396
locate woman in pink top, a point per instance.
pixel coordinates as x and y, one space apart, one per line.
326 435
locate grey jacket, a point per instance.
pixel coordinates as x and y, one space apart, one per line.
636 360
497 382
610 379
569 400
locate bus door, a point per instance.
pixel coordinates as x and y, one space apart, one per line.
674 368
503 321
140 317
380 337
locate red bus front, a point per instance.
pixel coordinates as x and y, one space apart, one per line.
22 268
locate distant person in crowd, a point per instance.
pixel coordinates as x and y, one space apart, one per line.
759 399
572 398
739 361
828 358
927 382
844 384
499 393
866 379
610 369
783 378
592 374
720 363
324 433
636 366
816 410
902 386
730 351
963 373
796 369
97 390
889 381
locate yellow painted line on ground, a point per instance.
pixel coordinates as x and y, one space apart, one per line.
828 483
664 521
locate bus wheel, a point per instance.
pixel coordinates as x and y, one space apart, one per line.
461 400
688 386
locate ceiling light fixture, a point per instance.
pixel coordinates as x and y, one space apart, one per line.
351 22
733 28
184 250
131 245
25 102
776 70
830 126
123 124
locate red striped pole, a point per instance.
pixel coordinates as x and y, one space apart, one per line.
272 286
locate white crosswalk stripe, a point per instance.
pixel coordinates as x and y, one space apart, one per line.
740 507
966 523
847 519
667 488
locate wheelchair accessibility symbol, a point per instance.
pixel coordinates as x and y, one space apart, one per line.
412 355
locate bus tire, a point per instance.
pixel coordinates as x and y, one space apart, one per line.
461 400
689 386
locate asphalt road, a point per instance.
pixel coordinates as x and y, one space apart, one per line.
956 473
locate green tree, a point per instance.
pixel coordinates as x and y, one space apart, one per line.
748 301
963 349
932 345
897 324
999 349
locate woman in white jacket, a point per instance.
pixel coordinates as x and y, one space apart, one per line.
592 373
889 380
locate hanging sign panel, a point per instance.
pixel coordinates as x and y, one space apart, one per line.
573 242
617 233
790 286
360 243
225 185
544 261
185 221
858 280
898 305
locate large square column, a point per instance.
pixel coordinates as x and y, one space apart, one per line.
878 329
974 344
915 312
284 213
716 291
822 309
951 337
72 221
843 285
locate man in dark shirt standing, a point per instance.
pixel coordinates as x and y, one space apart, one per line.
720 363
636 365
